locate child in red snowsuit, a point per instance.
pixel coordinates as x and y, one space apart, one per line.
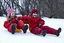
36 25
13 21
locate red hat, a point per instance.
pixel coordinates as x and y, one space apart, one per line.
34 10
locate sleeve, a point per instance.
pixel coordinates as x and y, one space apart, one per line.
42 22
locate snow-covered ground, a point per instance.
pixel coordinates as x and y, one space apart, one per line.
6 37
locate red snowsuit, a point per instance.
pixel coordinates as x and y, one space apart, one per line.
34 25
25 19
8 25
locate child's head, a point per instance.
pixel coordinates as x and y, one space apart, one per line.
34 12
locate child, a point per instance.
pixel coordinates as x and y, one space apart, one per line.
37 25
12 23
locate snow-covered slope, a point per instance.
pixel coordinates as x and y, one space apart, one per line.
6 37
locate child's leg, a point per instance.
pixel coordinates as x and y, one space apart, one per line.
35 30
49 30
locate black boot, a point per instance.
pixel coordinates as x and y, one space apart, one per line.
13 29
25 28
58 32
44 32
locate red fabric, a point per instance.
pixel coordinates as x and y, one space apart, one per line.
20 24
34 25
49 29
34 22
25 19
13 20
10 28
34 11
6 24
36 30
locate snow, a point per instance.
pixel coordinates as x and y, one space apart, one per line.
6 37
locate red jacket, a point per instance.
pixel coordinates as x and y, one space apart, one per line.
34 22
25 19
20 24
6 24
